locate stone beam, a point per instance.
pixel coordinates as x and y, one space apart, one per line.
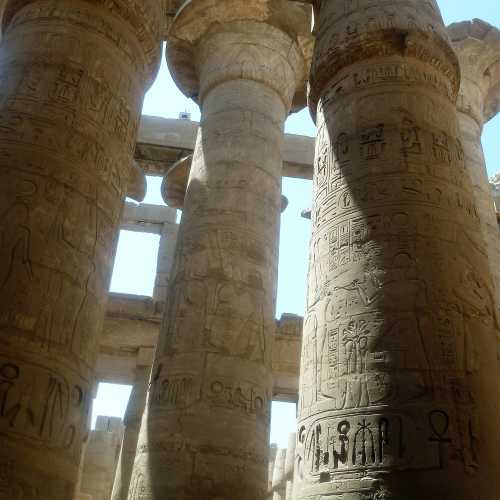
131 330
162 142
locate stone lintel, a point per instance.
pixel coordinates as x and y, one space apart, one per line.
162 142
132 326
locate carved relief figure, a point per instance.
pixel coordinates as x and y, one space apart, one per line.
235 323
15 245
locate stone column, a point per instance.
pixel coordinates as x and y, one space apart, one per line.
166 252
399 364
273 452
477 45
73 76
206 427
137 184
132 422
101 458
279 479
289 465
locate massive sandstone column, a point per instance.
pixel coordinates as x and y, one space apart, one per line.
132 422
73 76
477 45
205 430
399 383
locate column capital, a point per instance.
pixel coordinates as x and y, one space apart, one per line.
477 45
142 17
209 40
405 31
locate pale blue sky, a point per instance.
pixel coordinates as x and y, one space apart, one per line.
134 275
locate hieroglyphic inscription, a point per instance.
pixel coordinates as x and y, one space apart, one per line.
372 441
41 406
72 84
398 268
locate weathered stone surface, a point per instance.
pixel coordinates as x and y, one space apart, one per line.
279 479
84 496
206 426
273 451
174 185
175 182
101 457
477 45
495 192
136 187
289 465
132 422
286 358
399 360
164 141
73 81
281 470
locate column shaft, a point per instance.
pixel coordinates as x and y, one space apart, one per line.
73 75
279 478
211 380
399 350
206 427
166 251
477 44
132 422
475 162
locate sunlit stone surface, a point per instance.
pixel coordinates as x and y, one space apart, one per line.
206 429
72 85
399 360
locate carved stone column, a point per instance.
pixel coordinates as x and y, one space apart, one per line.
399 362
477 45
279 479
206 427
101 458
166 253
273 453
289 465
132 422
73 75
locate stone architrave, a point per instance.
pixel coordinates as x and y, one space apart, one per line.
399 360
477 45
72 84
132 422
206 427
